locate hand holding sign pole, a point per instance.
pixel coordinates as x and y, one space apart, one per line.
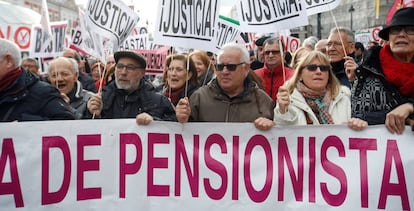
282 55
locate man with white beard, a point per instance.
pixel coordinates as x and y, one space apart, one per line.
129 95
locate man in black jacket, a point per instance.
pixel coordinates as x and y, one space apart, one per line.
129 95
340 50
23 97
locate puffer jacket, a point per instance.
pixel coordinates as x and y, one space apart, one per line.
372 96
340 109
119 104
29 99
210 104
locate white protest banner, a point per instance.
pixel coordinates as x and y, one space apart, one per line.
374 33
155 60
366 35
227 30
363 36
318 6
135 42
118 165
107 23
87 42
187 24
291 43
76 41
44 19
248 39
271 15
19 34
39 45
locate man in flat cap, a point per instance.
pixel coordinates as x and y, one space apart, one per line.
129 95
259 62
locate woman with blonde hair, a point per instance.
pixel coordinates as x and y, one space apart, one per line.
314 96
299 54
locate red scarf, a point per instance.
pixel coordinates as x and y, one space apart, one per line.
9 78
398 73
174 96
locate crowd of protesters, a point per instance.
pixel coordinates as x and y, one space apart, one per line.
328 81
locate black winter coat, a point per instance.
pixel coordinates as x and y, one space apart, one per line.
119 104
29 99
372 95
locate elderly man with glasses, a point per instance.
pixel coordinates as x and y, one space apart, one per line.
340 50
232 96
273 73
129 95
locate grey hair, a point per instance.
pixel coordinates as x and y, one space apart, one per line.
244 54
72 62
9 47
31 60
347 31
310 41
273 40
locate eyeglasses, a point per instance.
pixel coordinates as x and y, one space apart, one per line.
273 52
397 30
335 44
129 67
314 67
230 67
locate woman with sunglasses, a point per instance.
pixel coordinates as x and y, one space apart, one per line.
314 96
383 89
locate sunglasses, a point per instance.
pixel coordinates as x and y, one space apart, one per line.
230 67
397 29
273 52
314 67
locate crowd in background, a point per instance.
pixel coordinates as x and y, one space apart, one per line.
334 80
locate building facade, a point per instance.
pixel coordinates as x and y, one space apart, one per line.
360 13
59 10
354 14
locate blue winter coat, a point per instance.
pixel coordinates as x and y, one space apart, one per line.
29 99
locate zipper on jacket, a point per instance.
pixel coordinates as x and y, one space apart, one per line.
227 110
271 84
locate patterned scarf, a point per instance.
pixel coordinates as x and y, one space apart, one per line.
398 73
318 101
9 78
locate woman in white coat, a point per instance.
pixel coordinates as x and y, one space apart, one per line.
314 96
